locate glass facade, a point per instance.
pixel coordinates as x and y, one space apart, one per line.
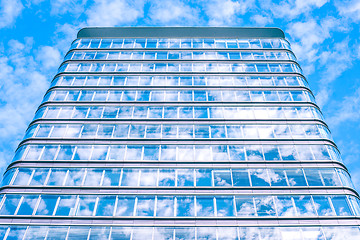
196 134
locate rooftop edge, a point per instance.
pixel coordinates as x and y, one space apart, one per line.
180 32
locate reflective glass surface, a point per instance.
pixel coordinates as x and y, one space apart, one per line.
179 131
188 80
175 177
184 232
184 152
180 206
176 112
178 96
180 43
178 138
181 67
179 55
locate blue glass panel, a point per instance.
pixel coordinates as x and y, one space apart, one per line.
123 233
341 205
225 206
265 206
204 206
76 233
46 205
166 177
165 206
27 205
185 177
203 178
125 206
240 178
245 206
111 177
185 206
10 205
106 206
322 206
66 206
145 206
57 233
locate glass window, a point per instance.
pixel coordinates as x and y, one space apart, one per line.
296 177
322 206
85 206
284 206
204 206
27 205
222 178
165 206
46 205
265 206
225 206
106 205
313 177
145 206
111 177
23 176
259 177
185 206
123 233
10 204
203 177
148 177
75 177
76 233
304 206
245 206
341 206
130 177
185 177
66 206
277 177
166 177
125 206
57 177
93 177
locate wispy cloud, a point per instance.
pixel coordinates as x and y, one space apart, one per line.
48 57
173 12
336 60
262 20
226 12
116 12
292 9
21 85
349 9
347 110
9 11
60 7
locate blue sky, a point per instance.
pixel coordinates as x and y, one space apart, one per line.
36 34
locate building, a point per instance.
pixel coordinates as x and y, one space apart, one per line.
178 133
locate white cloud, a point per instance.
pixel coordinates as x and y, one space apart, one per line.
9 11
59 7
346 110
349 9
172 11
337 59
292 9
222 12
22 85
261 20
307 38
48 56
116 12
